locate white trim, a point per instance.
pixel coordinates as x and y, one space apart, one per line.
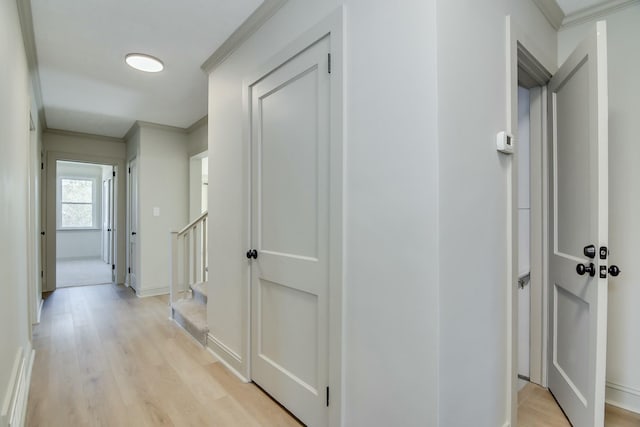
50 207
595 12
61 132
551 11
28 36
151 292
624 397
14 407
252 24
198 123
217 348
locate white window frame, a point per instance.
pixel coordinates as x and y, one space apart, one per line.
94 202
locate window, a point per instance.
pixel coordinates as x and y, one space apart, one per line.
77 208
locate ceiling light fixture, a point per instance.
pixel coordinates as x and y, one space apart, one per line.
142 62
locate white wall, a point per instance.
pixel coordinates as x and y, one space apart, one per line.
163 176
473 204
94 149
15 104
623 350
390 222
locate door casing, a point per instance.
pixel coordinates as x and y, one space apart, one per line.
50 211
524 57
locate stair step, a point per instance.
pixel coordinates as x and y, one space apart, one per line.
191 314
200 291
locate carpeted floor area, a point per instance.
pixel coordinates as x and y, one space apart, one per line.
81 272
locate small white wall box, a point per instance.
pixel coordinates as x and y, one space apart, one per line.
505 142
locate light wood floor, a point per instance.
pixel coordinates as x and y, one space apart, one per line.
107 358
537 408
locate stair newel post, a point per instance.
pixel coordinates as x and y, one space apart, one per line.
203 252
174 266
185 262
194 259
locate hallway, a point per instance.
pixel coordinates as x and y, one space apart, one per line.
106 357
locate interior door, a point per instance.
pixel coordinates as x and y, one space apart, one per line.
105 221
111 226
579 202
133 224
290 232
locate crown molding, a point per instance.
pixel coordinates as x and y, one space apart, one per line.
201 122
594 12
83 135
29 40
261 15
551 11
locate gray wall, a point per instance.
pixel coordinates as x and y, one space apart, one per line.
473 204
390 213
163 182
623 344
15 104
93 149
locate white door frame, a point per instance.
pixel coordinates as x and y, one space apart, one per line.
51 210
523 53
331 26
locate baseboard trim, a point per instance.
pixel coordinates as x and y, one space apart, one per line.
14 408
223 354
623 397
153 292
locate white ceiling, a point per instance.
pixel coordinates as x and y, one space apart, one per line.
572 6
81 45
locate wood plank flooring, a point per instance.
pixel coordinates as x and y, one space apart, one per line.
107 358
538 408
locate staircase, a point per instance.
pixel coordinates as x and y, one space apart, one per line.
191 312
189 273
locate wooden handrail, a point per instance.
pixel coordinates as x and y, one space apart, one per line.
192 223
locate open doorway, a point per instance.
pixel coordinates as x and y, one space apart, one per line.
85 223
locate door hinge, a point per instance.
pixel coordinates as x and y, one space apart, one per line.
329 63
129 270
129 170
114 173
113 266
42 273
41 166
327 396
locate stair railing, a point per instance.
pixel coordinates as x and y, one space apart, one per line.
188 257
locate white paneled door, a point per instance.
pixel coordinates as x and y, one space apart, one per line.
290 141
133 224
579 229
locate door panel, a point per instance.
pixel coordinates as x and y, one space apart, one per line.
579 206
290 230
133 224
105 221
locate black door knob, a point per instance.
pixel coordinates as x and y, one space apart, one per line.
252 253
614 270
590 268
42 233
133 233
589 251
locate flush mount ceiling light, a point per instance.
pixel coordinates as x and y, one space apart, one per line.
143 62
